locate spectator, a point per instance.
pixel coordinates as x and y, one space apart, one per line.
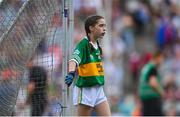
37 93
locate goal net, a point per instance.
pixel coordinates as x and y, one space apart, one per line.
29 33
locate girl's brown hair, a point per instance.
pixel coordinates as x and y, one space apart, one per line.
92 21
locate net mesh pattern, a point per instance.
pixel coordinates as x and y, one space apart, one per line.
27 31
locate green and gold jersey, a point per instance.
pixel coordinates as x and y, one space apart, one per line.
90 67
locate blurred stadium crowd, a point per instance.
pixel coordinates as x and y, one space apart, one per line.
138 28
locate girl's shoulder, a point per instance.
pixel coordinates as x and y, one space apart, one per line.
83 41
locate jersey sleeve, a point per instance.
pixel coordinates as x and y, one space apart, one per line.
77 54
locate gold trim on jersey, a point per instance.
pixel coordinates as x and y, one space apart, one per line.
91 69
80 95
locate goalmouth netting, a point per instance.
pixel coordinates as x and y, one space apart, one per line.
31 34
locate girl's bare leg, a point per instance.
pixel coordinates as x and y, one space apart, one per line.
103 109
84 110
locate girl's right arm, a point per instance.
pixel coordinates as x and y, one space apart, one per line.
72 66
71 73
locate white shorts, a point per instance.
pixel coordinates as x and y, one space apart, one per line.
90 96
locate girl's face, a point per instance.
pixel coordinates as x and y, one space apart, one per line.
99 29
